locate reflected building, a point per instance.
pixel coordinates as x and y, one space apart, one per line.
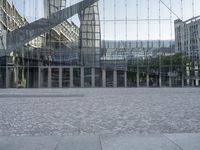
90 36
52 6
54 52
187 37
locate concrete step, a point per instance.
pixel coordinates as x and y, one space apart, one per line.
103 142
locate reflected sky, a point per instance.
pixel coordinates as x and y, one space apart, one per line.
126 29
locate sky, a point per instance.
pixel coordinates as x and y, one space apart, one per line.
127 29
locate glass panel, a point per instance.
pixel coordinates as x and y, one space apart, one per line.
2 77
32 79
109 78
77 78
98 77
166 76
12 77
154 76
142 75
120 79
55 77
44 77
87 77
66 77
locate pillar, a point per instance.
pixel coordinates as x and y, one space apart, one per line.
188 75
147 79
71 77
197 82
39 77
125 79
182 80
60 77
7 77
192 83
17 76
23 81
27 76
196 76
104 78
49 77
170 81
93 77
138 78
115 78
82 77
160 80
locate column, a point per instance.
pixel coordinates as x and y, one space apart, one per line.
192 82
71 77
197 82
125 79
27 77
49 77
170 81
7 77
23 82
147 79
82 77
17 76
39 77
138 78
93 77
160 80
196 76
60 77
104 78
188 75
115 78
182 80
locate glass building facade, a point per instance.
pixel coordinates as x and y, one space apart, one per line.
90 36
68 55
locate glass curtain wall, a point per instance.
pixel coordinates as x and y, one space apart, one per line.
90 37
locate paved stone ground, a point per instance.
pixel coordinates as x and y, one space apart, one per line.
103 142
46 112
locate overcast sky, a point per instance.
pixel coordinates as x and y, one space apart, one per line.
108 27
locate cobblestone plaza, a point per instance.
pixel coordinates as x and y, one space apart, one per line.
99 111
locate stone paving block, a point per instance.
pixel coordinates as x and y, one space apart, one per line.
129 142
30 112
28 143
186 141
79 143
